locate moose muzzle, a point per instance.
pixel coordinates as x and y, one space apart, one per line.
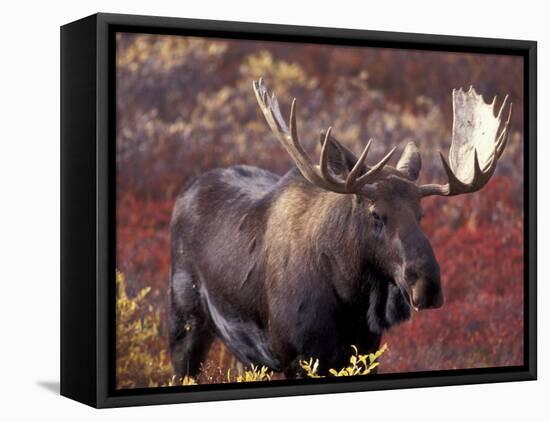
426 294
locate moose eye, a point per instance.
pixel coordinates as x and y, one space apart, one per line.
378 219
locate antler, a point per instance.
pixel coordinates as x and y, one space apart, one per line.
476 145
319 175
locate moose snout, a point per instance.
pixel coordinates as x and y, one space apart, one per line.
425 286
427 294
422 274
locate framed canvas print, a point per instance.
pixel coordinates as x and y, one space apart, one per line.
253 210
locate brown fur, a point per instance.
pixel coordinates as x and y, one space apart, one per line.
282 270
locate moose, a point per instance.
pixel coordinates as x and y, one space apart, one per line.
285 268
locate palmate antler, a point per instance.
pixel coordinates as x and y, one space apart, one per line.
476 145
475 149
319 175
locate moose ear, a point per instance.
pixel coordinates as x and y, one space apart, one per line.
340 159
410 163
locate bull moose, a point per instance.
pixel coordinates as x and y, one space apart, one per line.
284 268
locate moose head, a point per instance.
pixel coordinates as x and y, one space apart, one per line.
387 198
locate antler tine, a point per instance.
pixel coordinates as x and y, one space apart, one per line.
352 176
371 175
502 107
292 120
272 113
323 162
319 175
503 137
476 145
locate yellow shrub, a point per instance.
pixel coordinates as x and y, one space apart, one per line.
141 361
358 364
255 373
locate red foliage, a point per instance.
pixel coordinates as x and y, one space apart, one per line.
477 239
143 247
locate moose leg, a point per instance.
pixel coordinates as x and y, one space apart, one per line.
189 326
294 370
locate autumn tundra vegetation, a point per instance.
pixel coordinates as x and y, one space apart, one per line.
185 106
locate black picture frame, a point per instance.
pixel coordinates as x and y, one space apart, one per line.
87 208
